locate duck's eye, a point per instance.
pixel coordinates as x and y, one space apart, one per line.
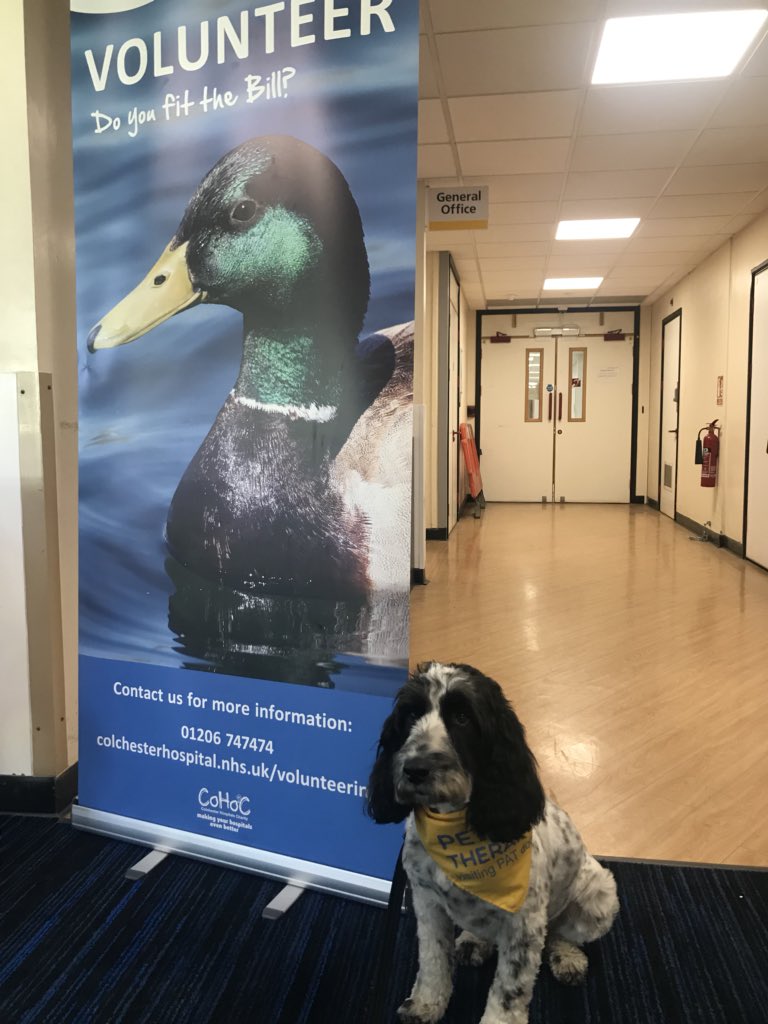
243 211
160 279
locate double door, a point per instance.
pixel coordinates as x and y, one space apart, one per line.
556 417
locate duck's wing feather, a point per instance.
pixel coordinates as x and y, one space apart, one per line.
373 469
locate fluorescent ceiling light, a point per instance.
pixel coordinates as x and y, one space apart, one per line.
572 283
613 227
671 47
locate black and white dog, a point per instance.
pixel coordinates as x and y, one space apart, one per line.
484 849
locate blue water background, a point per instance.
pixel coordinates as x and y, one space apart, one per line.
145 407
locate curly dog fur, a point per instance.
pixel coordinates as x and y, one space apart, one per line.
453 741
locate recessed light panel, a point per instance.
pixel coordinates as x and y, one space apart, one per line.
552 284
613 227
672 47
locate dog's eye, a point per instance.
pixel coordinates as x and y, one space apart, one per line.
460 718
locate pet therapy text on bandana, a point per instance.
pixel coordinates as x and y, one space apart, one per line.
495 872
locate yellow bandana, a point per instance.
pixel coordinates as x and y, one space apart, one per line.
495 872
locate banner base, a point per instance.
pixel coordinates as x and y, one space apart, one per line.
299 873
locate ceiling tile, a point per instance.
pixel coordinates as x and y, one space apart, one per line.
513 283
652 259
700 206
520 188
744 103
729 146
739 223
758 204
675 106
523 156
640 278
444 240
506 263
432 127
676 243
630 151
502 249
459 15
533 115
604 246
616 184
681 226
518 233
758 62
535 59
435 162
581 209
723 178
584 265
521 213
427 79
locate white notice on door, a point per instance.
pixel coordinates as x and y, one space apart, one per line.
608 371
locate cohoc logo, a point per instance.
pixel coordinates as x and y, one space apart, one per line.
224 802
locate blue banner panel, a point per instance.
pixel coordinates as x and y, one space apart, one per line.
245 182
247 760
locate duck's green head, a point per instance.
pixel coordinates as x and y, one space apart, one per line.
272 230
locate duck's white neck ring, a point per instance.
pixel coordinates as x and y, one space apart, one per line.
317 413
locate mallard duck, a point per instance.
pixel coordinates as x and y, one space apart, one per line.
302 485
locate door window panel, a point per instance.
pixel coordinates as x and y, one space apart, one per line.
534 367
577 385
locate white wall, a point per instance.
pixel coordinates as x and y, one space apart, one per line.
37 338
714 300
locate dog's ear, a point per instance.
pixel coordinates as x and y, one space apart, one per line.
507 797
381 804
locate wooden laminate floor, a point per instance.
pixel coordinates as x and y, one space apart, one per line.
637 660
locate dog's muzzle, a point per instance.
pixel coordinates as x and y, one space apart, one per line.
428 777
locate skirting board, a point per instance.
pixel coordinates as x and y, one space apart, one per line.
301 873
718 539
38 794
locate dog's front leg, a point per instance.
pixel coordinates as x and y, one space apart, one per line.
432 990
520 947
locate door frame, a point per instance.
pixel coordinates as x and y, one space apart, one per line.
445 398
759 269
634 497
667 319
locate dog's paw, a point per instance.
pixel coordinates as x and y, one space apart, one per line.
415 1011
567 962
472 951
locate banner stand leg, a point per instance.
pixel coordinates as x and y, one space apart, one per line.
145 865
282 903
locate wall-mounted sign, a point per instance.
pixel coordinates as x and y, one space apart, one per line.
720 383
455 209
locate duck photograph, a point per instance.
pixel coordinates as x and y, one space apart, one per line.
245 467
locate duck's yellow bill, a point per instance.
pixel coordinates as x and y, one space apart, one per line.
166 290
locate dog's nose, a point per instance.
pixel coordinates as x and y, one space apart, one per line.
416 770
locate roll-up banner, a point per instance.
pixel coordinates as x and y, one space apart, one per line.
245 183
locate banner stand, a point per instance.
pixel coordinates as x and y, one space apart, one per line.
245 221
299 873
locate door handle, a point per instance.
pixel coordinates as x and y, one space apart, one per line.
549 417
672 431
560 406
454 434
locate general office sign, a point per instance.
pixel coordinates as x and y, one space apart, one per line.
457 208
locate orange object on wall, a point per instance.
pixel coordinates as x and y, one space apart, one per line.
471 460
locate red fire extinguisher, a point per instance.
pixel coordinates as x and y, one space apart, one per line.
710 451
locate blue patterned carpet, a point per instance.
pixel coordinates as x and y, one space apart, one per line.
187 945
